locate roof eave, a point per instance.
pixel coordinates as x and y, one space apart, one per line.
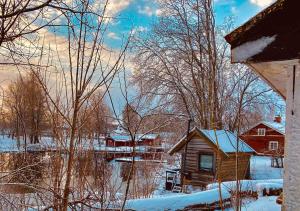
235 35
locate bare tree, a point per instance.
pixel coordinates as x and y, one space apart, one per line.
184 61
81 70
26 108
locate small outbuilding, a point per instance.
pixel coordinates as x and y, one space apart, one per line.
209 156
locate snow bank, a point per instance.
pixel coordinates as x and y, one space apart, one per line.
178 201
263 204
250 185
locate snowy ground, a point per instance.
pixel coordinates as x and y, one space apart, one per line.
263 204
8 144
180 200
264 177
261 168
11 145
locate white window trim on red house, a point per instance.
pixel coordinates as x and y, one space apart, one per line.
272 145
261 131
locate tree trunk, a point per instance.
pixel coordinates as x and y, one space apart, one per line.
71 157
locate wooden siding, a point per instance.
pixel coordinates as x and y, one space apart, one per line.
224 165
228 166
191 166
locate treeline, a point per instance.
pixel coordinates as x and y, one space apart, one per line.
26 115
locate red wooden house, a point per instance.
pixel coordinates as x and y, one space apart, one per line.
126 140
266 137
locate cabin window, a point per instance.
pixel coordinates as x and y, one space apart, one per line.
273 145
206 162
261 131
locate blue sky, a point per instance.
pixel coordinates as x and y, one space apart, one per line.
140 15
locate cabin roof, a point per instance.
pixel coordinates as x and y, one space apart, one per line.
226 140
138 137
279 127
272 35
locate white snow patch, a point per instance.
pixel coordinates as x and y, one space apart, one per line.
252 48
263 204
250 185
178 201
260 168
8 144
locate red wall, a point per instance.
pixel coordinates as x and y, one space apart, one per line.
261 143
145 142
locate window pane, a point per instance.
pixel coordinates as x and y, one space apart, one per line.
273 145
206 162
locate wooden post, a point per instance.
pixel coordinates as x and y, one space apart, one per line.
291 189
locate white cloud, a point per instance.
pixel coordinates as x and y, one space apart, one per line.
113 7
146 11
139 29
262 3
150 11
113 36
116 6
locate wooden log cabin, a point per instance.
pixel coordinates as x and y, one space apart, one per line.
208 156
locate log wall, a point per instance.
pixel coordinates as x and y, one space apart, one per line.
224 165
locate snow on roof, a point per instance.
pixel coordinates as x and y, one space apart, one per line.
138 137
224 139
251 48
227 141
276 126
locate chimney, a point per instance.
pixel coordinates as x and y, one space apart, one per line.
277 119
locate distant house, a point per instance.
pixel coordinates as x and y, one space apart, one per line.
208 155
126 140
266 137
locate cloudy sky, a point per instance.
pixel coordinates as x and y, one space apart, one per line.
140 14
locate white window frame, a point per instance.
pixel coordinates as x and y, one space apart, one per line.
261 131
271 144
